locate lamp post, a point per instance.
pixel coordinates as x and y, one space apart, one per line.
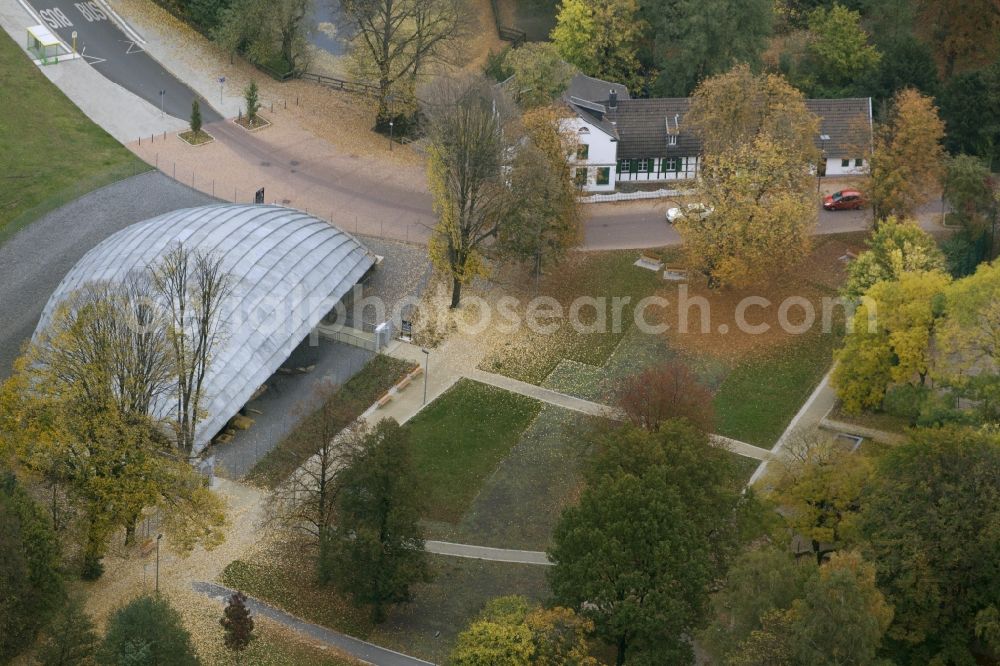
427 358
390 135
162 95
823 139
222 81
158 537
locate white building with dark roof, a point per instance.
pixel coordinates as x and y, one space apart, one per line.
622 139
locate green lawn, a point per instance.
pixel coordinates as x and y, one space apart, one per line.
459 439
51 152
458 591
356 395
759 397
532 355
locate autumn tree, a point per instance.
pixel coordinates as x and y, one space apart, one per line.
69 418
148 630
657 522
512 632
818 485
838 51
963 34
760 581
600 38
890 340
895 247
379 552
758 147
664 392
969 358
547 220
70 639
540 74
930 522
395 43
191 286
306 502
237 624
799 612
468 160
689 41
268 32
907 157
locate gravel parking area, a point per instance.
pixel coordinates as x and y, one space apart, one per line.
34 261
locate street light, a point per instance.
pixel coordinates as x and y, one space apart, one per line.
823 139
158 537
427 358
162 95
222 81
390 135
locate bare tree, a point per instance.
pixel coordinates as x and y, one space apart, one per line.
397 39
106 341
306 502
471 148
192 287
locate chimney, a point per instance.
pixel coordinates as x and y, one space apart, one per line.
613 99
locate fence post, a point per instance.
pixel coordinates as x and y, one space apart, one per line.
234 195
213 187
175 170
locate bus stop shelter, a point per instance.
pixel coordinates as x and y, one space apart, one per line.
44 46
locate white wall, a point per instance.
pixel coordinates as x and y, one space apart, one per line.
834 167
688 170
602 152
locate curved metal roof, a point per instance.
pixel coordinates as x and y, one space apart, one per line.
287 270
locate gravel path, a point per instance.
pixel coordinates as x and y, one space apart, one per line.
34 261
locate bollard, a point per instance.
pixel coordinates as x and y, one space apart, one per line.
234 195
140 141
175 170
192 179
286 103
272 107
157 160
164 136
213 187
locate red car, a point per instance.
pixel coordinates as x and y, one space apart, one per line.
844 200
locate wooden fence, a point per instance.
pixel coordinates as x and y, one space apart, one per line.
341 84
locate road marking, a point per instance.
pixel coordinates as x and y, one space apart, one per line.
116 18
55 18
132 47
91 60
90 11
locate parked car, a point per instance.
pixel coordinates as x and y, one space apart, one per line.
844 200
699 210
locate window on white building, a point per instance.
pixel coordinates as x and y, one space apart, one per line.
668 164
623 166
845 163
859 162
582 151
581 176
603 176
643 166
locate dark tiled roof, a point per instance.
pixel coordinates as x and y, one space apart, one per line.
642 126
846 121
594 90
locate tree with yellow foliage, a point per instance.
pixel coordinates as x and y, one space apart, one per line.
468 162
890 341
896 247
600 37
63 417
510 632
757 138
907 160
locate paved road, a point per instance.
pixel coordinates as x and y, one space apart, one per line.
119 56
36 259
357 648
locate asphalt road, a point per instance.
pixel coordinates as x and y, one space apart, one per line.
119 56
35 260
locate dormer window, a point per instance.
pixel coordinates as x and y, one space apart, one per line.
671 139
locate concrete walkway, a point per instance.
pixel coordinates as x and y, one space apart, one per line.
487 553
355 647
546 395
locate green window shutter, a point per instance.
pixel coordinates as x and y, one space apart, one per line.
650 164
633 166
